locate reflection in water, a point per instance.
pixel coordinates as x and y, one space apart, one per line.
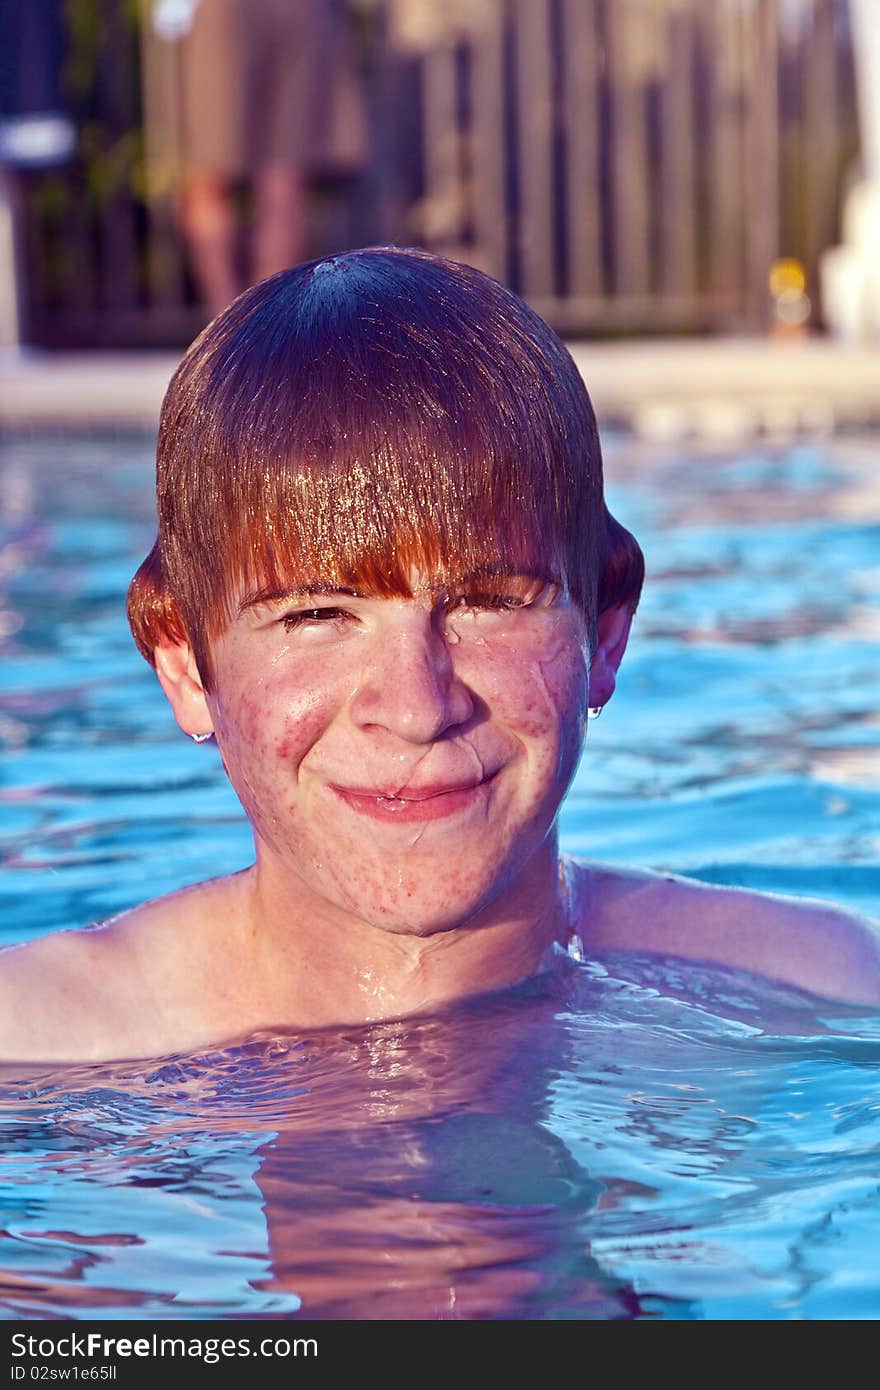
602 1143
440 1194
403 1171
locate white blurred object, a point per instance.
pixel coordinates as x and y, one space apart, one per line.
843 293
861 229
861 216
172 18
850 274
9 312
36 141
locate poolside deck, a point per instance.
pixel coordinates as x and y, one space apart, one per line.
717 390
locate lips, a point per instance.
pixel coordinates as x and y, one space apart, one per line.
430 801
424 793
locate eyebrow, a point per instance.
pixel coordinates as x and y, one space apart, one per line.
316 586
324 588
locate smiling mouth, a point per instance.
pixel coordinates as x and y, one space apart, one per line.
415 803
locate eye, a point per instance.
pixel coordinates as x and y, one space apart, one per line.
313 617
514 596
496 602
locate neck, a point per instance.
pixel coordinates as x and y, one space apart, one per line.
317 964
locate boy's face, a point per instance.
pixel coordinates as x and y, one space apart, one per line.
402 758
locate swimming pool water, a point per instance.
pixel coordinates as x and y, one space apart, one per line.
623 1139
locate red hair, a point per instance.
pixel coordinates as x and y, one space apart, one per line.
361 414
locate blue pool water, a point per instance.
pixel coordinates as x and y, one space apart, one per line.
622 1139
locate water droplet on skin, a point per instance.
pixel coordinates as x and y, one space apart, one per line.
576 948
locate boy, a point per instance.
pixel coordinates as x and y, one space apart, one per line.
386 583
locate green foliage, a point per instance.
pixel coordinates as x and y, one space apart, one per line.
109 147
82 60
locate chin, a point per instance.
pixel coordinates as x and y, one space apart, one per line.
441 898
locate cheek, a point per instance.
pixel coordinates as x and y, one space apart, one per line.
268 724
302 719
541 694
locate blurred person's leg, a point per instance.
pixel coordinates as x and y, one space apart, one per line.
287 73
216 95
210 227
279 219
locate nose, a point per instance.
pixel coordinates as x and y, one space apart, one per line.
409 686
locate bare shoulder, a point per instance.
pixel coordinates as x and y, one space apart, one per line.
798 941
101 991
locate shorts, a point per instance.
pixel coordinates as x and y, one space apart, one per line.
250 72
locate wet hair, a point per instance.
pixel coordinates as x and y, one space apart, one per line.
356 416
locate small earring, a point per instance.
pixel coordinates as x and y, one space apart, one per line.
200 738
594 711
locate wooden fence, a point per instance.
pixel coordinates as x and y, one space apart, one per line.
639 166
627 165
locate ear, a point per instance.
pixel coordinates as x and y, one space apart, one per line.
179 678
612 634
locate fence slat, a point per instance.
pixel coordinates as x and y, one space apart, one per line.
821 125
534 108
583 197
489 145
628 154
761 174
443 202
677 269
78 273
722 36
